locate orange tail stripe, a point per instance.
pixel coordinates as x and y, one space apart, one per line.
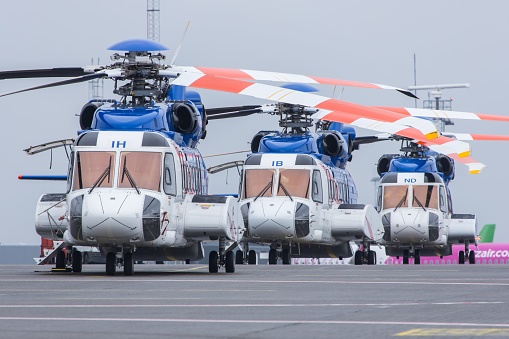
221 84
362 111
227 73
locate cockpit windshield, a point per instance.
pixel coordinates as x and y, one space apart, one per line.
93 169
419 196
294 181
140 170
425 195
258 182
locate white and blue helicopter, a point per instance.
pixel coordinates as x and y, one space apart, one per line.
137 186
136 183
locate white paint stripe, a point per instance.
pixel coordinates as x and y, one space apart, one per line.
430 113
186 79
247 305
459 136
392 128
422 125
451 147
278 76
283 94
264 321
241 281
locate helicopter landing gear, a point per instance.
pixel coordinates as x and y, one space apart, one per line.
365 255
111 263
251 258
282 251
417 257
77 261
223 258
128 264
406 255
467 254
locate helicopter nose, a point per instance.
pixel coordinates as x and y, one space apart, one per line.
113 217
413 225
272 218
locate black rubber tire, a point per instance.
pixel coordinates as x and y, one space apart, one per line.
239 257
371 258
230 262
251 260
272 257
405 257
60 261
471 257
286 257
213 268
461 258
358 258
77 262
111 263
128 264
417 257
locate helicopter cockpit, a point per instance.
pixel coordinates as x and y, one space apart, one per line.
413 190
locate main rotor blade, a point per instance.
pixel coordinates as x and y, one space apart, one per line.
439 114
60 83
306 99
62 72
286 77
232 112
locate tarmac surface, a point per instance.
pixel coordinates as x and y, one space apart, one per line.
296 301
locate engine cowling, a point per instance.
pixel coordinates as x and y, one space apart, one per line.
87 114
184 118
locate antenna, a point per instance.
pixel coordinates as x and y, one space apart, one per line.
96 87
153 20
438 103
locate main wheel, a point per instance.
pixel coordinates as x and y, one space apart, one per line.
471 257
111 263
239 257
272 257
358 258
213 268
229 262
60 262
371 258
461 258
128 264
251 260
286 257
77 263
405 257
417 257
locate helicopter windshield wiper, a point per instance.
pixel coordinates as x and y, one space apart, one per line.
284 190
402 201
262 192
125 172
419 203
99 181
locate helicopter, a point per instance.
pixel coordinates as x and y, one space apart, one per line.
415 202
136 183
145 107
296 194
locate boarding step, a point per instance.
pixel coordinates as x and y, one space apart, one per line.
50 254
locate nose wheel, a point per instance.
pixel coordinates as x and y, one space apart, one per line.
222 258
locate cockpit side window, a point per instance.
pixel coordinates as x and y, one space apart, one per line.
317 190
443 200
258 182
170 180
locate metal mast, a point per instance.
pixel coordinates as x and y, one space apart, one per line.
96 87
153 20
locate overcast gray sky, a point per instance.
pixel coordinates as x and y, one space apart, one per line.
374 41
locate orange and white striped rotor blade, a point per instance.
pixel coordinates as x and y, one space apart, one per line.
441 144
248 74
475 137
439 114
290 96
474 167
